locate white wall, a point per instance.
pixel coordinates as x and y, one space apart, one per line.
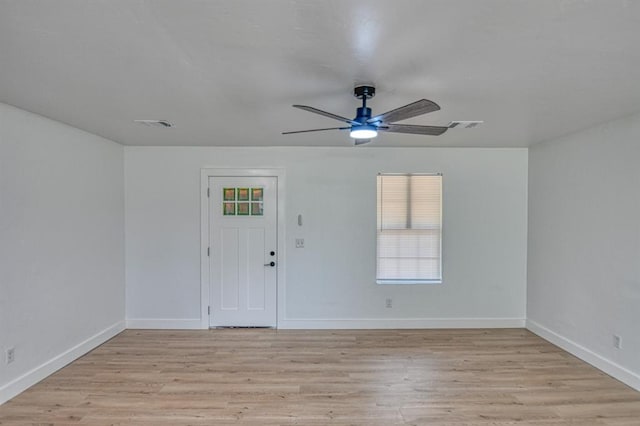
61 245
584 245
331 282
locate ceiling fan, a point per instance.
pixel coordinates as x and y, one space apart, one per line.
364 127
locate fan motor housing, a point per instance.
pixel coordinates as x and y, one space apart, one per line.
362 115
361 92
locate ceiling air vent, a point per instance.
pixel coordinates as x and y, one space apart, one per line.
155 123
464 124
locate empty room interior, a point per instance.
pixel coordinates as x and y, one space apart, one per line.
297 212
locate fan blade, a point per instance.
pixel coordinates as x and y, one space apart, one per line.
416 130
315 130
357 142
423 106
326 114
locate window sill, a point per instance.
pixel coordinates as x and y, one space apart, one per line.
411 282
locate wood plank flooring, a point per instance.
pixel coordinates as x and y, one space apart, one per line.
322 377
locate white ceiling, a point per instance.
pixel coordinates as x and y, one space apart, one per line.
226 72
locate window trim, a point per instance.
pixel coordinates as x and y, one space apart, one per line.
415 281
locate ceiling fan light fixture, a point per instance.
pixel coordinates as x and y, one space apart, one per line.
365 131
365 127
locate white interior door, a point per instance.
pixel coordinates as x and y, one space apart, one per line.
243 257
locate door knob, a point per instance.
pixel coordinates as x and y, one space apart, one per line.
272 264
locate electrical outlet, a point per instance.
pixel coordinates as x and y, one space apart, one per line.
617 341
389 303
11 355
299 242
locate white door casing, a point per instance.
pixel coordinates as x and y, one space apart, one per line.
243 252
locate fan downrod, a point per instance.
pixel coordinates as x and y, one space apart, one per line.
364 92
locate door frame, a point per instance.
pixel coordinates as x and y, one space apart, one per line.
205 284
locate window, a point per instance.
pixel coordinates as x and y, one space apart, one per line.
236 201
409 226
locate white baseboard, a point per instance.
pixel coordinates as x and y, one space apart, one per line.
373 323
40 372
164 324
601 363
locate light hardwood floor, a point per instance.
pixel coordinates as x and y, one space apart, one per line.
364 377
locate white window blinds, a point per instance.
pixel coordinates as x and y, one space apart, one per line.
409 229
